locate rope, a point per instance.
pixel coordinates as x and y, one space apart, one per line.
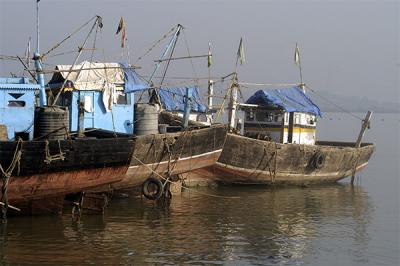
267 84
69 36
50 158
112 96
334 104
167 180
231 85
191 61
169 33
6 175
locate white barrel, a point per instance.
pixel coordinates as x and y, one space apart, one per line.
146 119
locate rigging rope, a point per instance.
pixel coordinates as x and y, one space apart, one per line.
334 104
69 36
169 33
169 181
190 57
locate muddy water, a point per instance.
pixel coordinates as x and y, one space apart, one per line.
326 225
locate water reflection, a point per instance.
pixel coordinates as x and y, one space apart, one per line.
262 226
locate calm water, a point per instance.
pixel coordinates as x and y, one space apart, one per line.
327 225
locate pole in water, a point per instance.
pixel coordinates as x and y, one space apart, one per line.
364 127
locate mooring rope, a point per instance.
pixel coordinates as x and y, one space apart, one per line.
6 175
169 181
50 158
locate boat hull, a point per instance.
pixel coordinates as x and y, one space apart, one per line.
161 155
250 161
87 163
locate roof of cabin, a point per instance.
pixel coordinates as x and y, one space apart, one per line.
17 84
289 99
173 99
89 75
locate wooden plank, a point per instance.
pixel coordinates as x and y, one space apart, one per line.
364 127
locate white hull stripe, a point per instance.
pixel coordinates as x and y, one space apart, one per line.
254 172
181 159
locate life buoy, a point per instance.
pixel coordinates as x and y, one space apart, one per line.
319 160
152 188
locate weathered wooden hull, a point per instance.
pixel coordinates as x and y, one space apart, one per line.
87 163
250 161
172 154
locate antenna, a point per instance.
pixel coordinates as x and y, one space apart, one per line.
38 63
37 27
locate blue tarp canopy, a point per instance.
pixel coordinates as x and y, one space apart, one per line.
173 99
290 99
133 82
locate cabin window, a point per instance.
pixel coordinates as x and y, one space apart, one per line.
277 118
122 98
16 103
260 116
270 117
297 118
16 95
249 115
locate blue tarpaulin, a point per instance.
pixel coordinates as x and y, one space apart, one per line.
173 99
290 99
133 82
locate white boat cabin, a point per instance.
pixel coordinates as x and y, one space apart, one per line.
281 115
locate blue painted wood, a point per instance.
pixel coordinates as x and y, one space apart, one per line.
17 105
100 118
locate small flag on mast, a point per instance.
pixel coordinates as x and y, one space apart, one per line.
240 52
297 55
28 53
121 29
209 57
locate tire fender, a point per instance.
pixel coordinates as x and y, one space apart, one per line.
151 195
319 160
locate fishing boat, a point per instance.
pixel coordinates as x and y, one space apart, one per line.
162 149
41 160
278 144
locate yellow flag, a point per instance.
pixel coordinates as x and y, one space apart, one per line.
209 57
297 55
240 52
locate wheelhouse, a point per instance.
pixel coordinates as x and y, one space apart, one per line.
281 115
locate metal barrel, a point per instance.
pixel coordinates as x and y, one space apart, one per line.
51 122
146 119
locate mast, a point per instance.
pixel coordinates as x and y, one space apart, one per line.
210 93
173 40
38 63
233 102
188 106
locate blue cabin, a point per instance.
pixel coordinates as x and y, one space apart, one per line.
94 94
17 107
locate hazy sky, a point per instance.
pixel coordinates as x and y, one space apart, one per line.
347 47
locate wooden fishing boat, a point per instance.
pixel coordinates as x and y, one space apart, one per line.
246 160
279 146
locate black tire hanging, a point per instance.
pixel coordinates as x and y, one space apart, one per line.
152 188
319 160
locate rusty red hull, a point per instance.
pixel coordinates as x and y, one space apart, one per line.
136 175
172 154
85 164
40 186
